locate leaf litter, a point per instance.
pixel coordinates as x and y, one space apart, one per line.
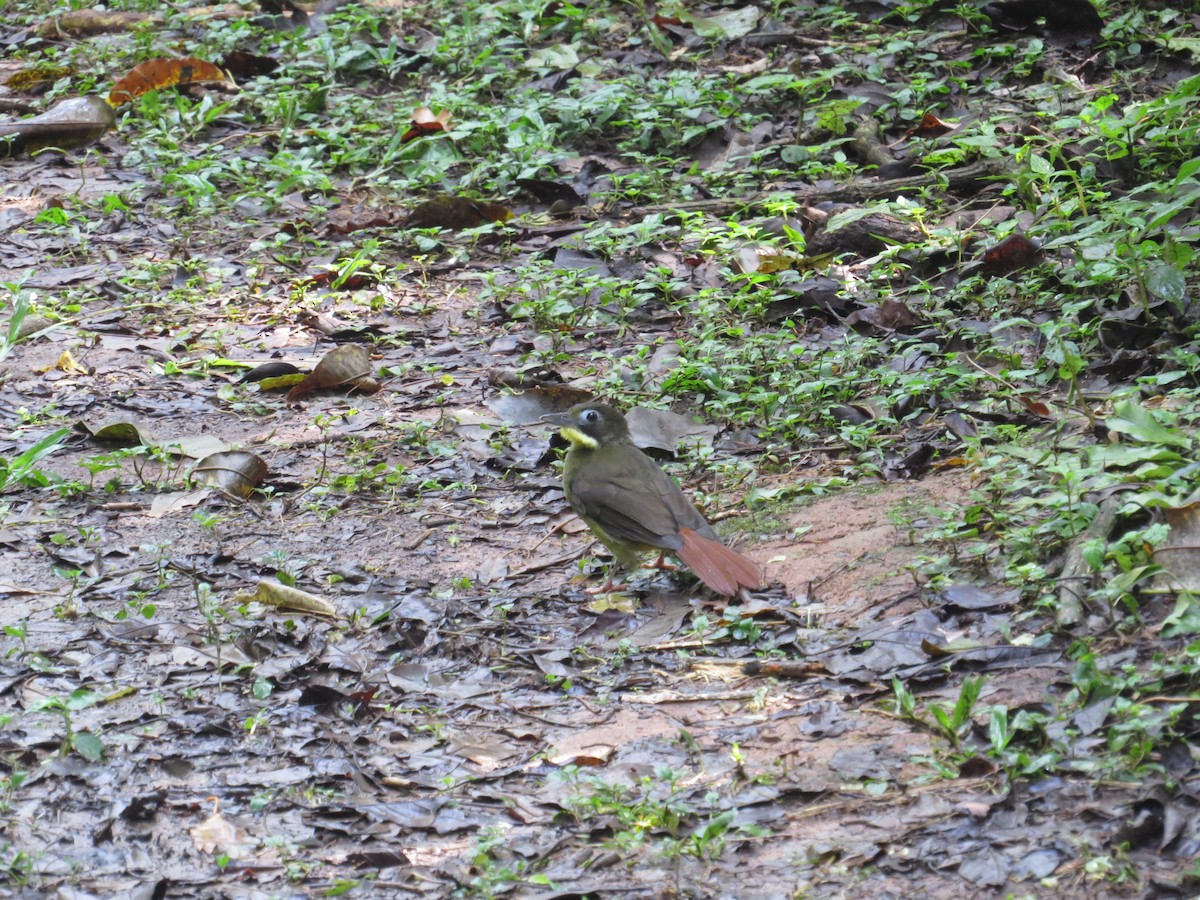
418 676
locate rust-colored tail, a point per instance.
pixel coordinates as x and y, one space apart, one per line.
722 569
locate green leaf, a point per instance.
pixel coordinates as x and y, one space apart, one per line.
1118 456
840 220
82 698
998 731
22 467
1184 619
967 695
1187 170
1167 283
88 746
729 25
1136 421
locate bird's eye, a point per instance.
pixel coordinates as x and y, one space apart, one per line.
590 415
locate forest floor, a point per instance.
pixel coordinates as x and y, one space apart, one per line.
904 712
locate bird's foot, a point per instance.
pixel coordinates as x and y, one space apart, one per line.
661 564
609 587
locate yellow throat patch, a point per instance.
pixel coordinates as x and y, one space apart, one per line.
578 438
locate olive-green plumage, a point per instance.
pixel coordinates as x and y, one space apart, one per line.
632 506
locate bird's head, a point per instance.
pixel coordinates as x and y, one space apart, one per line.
590 425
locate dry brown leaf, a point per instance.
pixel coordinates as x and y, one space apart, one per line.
425 121
238 472
216 834
456 213
346 366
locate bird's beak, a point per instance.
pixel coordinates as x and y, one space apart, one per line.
560 420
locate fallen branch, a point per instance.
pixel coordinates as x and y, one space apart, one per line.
856 191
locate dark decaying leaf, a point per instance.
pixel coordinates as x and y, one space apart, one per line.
72 123
855 763
551 192
886 317
1037 864
959 425
528 406
1179 555
456 213
269 370
377 859
1014 253
237 472
863 232
967 596
990 658
1060 18
663 430
987 868
241 64
320 695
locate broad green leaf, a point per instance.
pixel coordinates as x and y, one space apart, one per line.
1139 423
1167 282
729 25
88 746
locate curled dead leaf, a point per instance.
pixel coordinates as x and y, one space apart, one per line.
347 366
281 596
216 834
425 121
71 123
237 472
164 72
930 126
66 363
126 433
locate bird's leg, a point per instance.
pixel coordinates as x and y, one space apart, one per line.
661 563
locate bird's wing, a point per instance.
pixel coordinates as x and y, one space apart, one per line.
641 505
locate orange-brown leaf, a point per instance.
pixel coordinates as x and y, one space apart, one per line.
163 72
425 121
1012 254
931 126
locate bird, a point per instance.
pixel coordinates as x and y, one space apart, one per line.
632 506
